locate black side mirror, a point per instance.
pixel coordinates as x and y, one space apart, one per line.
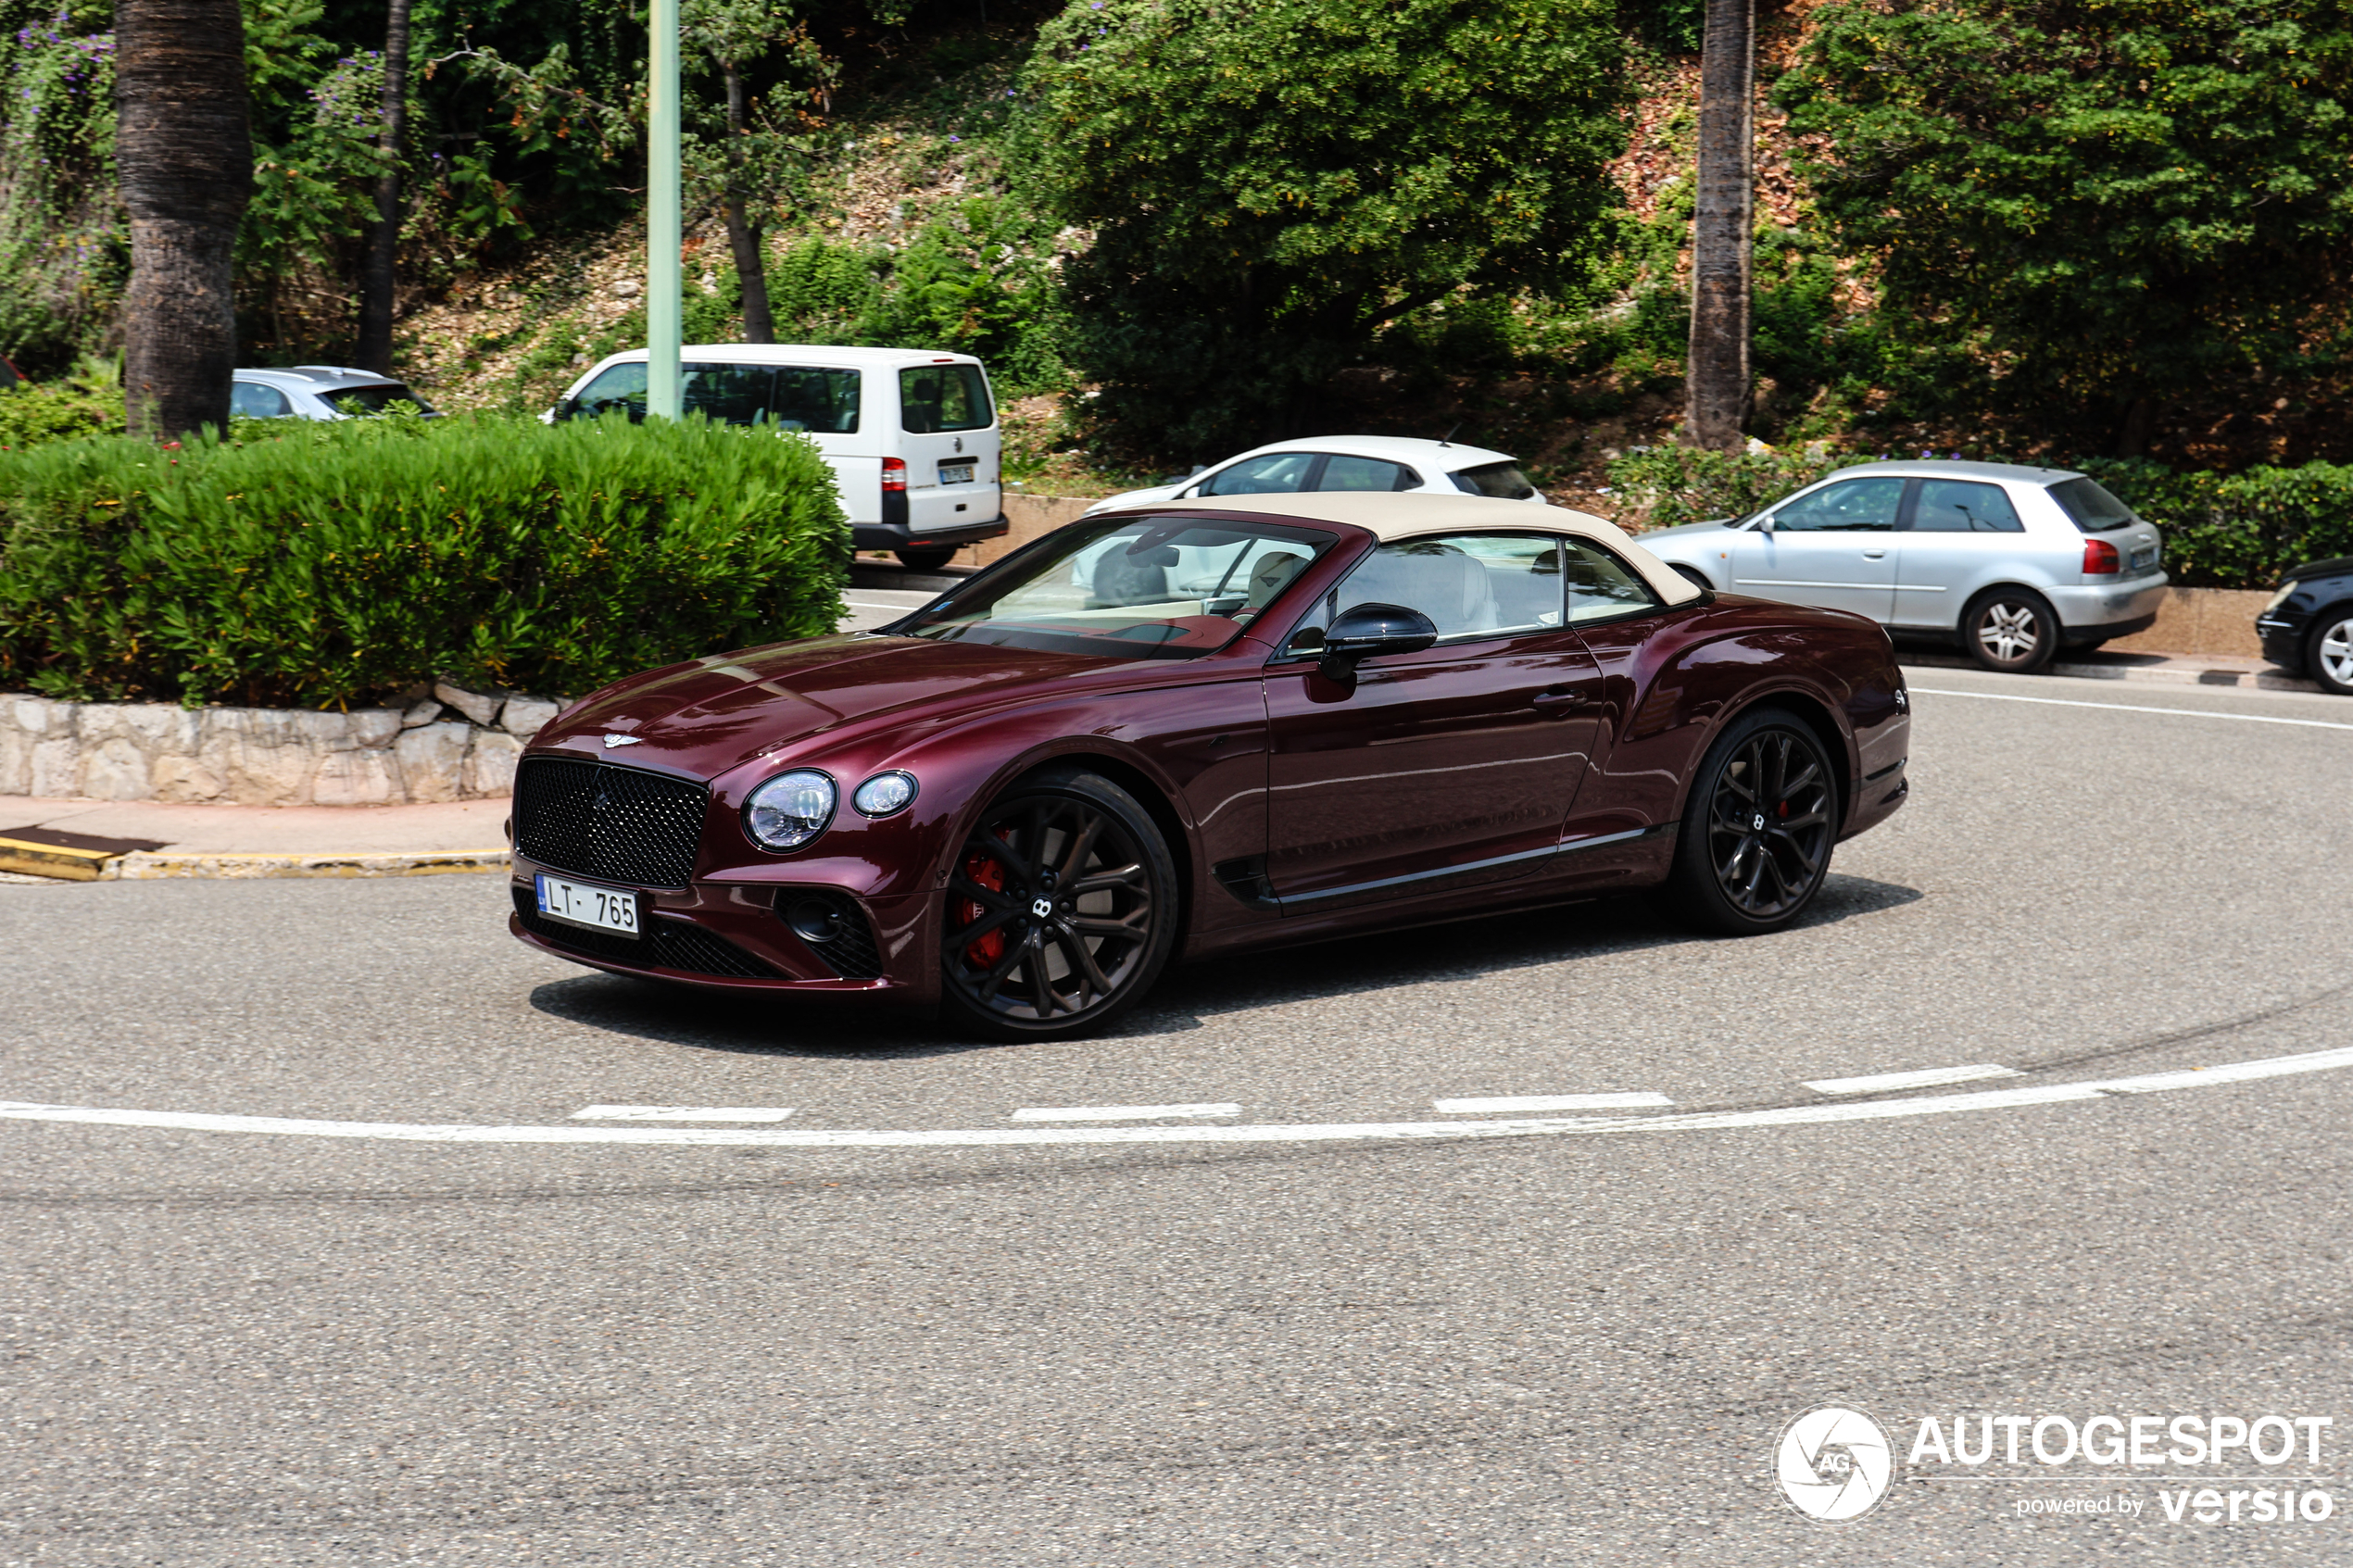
1368 629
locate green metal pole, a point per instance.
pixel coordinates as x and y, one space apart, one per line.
663 398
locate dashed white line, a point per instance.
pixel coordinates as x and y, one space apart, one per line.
1506 1105
2137 708
1926 1078
1120 1113
1277 1132
682 1113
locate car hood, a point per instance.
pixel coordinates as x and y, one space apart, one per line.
1715 529
716 713
1133 498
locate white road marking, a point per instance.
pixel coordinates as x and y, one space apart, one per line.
1928 1078
1506 1104
915 601
1272 1132
2136 708
681 1113
1119 1113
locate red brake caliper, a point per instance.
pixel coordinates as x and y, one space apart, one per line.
989 947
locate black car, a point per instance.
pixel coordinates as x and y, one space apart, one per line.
2307 627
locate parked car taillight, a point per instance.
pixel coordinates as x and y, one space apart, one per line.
894 478
2099 557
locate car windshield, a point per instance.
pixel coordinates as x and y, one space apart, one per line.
2093 510
1127 587
376 399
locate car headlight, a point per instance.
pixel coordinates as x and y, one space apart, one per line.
885 793
2279 599
789 809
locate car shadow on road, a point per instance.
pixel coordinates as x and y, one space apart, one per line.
1462 951
766 1024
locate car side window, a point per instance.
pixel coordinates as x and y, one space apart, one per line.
1845 507
254 401
728 394
1365 473
1601 585
1277 473
1469 584
620 389
1956 506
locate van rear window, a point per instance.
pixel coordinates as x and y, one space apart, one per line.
937 397
821 400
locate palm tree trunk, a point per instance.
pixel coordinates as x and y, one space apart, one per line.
184 156
383 241
1718 381
742 234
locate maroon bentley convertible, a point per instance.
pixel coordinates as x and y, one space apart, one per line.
1180 730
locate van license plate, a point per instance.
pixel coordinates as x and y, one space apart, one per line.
955 473
579 903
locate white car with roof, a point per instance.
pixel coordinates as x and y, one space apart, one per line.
2013 562
910 435
316 392
1357 463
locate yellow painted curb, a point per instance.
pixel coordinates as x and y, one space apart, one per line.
152 865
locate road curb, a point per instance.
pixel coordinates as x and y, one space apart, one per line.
2186 673
156 865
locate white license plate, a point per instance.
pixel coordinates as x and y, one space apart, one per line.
955 473
580 903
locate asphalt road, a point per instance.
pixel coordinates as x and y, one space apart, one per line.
1269 1334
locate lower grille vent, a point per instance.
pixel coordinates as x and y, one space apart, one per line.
835 929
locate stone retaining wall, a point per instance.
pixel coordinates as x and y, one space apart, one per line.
453 745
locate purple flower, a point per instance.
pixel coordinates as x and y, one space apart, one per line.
955 138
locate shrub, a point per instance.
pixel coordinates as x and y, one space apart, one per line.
1678 484
327 564
89 402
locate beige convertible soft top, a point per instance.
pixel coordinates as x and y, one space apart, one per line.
1393 516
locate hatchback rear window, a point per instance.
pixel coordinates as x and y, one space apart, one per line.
937 397
1501 481
2093 509
375 400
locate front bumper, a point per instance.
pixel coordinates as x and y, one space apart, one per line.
741 937
2283 641
2107 610
905 536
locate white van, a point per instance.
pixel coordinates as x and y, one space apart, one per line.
911 436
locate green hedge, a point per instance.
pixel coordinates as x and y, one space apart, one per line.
2221 531
329 564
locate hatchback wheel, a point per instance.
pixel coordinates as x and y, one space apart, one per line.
2329 654
924 561
1757 837
1061 910
2011 630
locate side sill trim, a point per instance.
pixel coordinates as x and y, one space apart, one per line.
1293 903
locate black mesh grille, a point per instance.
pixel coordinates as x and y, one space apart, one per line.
612 822
668 943
848 947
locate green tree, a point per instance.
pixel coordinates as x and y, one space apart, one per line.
2120 202
1270 185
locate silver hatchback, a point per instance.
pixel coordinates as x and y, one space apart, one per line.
2013 562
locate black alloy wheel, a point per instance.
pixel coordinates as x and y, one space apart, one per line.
2328 654
1061 910
2014 630
924 561
1757 837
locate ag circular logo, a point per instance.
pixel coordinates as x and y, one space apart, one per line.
1834 1463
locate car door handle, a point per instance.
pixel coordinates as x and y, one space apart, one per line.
1874 554
1561 702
